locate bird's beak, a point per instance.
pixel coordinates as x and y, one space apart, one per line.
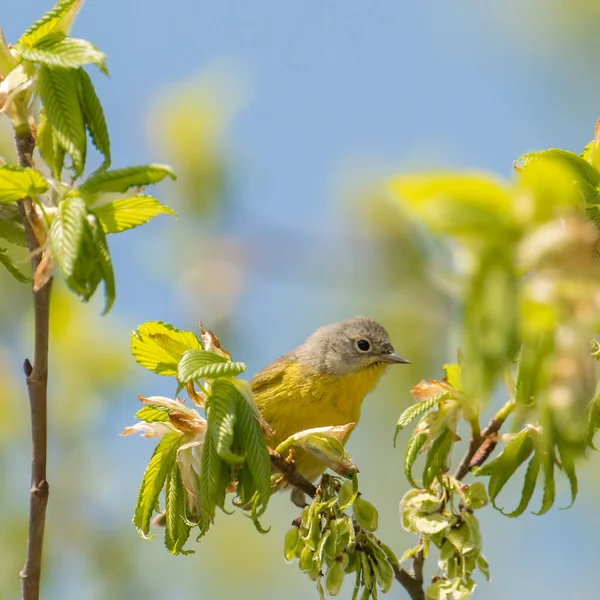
393 358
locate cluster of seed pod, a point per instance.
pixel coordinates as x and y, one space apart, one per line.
329 544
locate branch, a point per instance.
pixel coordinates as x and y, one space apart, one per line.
411 584
37 383
481 446
288 470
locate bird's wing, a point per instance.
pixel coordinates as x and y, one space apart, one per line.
272 374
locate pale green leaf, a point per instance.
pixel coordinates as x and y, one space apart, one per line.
121 215
453 374
60 18
158 346
58 89
104 265
568 466
12 269
13 232
58 50
17 183
437 457
209 480
430 524
153 414
531 475
160 465
50 149
121 180
414 446
67 232
412 412
177 530
221 415
549 483
93 115
202 364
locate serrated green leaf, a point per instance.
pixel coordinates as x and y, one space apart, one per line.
568 467
158 346
67 232
60 18
152 414
221 414
104 265
58 50
58 89
11 268
501 469
17 183
203 364
93 114
177 530
412 412
209 479
121 215
249 432
531 475
547 459
414 446
13 232
121 180
48 146
160 465
436 462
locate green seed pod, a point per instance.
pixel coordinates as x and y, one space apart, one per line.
366 594
299 547
353 562
306 559
366 514
331 543
346 493
291 541
392 558
383 573
314 533
344 558
367 573
335 578
315 568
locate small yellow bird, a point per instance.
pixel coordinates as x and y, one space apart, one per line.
323 382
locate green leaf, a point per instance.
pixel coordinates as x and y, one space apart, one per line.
58 89
177 530
209 479
158 346
51 151
203 364
464 205
549 484
415 444
58 50
13 232
17 183
121 215
249 432
412 412
104 265
586 174
501 469
121 180
453 374
67 232
221 415
160 465
568 466
93 115
531 475
153 414
436 463
60 18
12 269
431 524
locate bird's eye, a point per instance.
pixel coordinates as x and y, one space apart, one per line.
363 345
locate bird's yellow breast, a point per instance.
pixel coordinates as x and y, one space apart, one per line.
293 398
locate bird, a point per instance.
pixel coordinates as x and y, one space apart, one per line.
323 382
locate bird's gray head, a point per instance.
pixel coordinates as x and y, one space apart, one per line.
348 346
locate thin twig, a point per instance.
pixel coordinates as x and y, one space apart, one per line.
37 383
480 447
288 470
